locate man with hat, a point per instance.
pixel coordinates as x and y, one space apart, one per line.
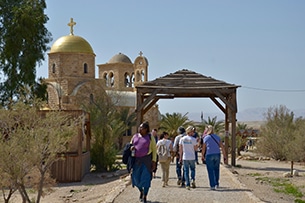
188 146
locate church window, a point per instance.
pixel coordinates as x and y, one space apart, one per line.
53 68
132 79
111 79
85 68
126 80
105 77
142 75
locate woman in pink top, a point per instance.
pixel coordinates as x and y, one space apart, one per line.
144 147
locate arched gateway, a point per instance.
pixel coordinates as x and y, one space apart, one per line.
185 84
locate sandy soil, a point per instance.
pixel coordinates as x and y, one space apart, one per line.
257 173
94 188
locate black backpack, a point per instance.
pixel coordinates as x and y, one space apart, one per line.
126 153
127 158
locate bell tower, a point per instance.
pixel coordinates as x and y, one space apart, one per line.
140 69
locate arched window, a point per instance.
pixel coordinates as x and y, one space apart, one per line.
132 80
126 80
142 76
111 79
105 77
85 68
53 68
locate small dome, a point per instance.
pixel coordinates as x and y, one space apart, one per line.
120 58
71 43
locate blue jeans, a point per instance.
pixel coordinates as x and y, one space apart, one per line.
196 156
178 171
213 163
187 165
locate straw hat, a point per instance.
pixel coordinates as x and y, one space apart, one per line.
209 129
189 129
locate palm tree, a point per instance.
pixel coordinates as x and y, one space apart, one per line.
129 120
171 122
240 139
217 125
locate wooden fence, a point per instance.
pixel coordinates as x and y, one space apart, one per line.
72 167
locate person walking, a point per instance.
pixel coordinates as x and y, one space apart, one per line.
179 170
188 145
196 136
211 149
164 149
144 150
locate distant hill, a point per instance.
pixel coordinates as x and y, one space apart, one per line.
251 114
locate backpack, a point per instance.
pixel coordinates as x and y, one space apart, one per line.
127 158
163 152
126 153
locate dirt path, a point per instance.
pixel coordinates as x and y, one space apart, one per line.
101 187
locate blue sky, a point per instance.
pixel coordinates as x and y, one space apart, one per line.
259 44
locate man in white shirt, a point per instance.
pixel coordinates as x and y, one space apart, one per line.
187 147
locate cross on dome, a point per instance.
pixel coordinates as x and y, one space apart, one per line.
71 24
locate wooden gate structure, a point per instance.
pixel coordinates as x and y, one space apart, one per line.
75 163
185 84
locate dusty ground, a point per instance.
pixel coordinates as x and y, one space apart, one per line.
94 188
99 187
258 175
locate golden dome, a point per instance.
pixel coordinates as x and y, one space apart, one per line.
71 43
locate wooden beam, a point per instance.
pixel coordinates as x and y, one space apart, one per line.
218 104
231 106
150 104
146 101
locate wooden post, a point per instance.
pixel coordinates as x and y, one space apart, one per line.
226 135
139 111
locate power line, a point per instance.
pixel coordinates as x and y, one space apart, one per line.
272 90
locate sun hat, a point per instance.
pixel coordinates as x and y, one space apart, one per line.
189 129
209 129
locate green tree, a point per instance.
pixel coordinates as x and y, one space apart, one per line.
107 125
30 144
276 133
129 119
282 137
23 42
171 122
217 125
